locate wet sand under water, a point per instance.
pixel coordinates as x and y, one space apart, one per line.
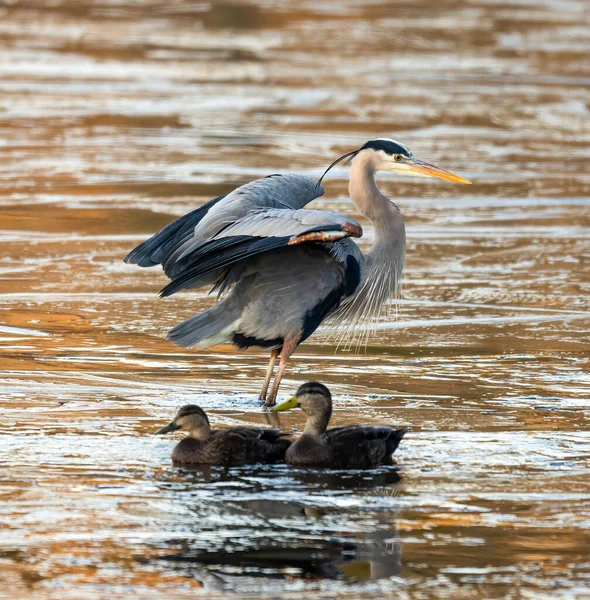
116 117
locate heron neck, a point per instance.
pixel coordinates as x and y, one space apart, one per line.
383 265
364 191
390 231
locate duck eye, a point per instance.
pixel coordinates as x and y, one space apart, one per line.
397 157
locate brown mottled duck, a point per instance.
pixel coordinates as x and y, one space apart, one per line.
350 447
229 447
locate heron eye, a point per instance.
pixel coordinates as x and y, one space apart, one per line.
397 157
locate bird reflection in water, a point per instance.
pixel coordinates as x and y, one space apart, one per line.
284 539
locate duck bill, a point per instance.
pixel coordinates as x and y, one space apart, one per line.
287 405
424 169
172 426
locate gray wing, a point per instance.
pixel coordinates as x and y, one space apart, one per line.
261 232
287 191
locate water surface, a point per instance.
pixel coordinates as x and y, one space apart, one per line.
117 116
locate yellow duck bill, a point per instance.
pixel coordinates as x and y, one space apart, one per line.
287 405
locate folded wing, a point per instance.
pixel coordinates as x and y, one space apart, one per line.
287 191
260 232
370 446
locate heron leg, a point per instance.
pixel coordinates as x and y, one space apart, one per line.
289 346
271 366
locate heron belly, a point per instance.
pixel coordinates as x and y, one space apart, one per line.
288 294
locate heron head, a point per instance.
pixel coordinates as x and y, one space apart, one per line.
312 397
389 155
190 418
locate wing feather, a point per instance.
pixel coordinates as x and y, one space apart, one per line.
154 251
261 232
288 191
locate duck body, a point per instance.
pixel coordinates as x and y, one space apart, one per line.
229 447
233 447
349 447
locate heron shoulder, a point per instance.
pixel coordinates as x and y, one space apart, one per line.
280 191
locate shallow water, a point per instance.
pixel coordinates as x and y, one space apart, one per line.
117 116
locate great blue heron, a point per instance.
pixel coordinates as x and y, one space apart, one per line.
279 269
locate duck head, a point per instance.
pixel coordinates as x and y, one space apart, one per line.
190 418
315 400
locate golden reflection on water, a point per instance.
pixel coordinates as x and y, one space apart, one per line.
115 117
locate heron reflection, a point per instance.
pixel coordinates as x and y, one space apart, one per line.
284 538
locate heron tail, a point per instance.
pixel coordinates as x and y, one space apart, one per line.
209 328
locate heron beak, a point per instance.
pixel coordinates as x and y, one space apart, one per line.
424 169
287 405
172 426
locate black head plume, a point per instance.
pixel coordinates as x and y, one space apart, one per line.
348 158
386 145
